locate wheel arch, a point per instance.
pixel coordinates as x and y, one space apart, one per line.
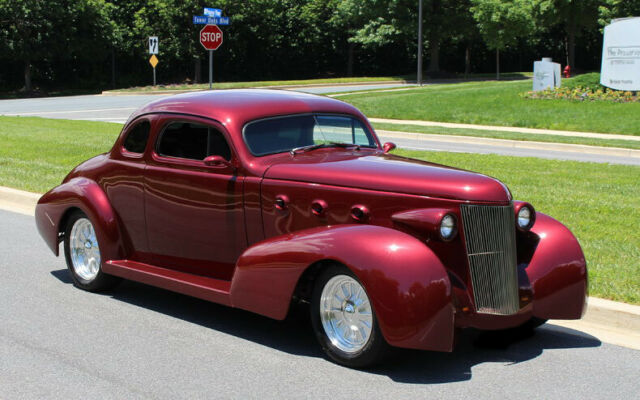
406 282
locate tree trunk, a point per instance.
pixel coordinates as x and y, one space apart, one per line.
350 52
497 64
113 68
434 51
571 33
467 61
27 76
197 75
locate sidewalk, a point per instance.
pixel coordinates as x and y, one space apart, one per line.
609 321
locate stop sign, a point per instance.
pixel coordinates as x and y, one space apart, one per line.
211 37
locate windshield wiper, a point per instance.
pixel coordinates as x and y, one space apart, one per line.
311 147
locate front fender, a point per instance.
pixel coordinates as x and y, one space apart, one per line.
407 284
88 196
557 272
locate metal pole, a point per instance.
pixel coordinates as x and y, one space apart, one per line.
154 76
419 74
210 69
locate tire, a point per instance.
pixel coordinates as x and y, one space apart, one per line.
349 335
82 253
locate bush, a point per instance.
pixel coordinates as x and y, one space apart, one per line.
584 94
590 81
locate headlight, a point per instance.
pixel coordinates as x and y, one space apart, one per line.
525 217
448 227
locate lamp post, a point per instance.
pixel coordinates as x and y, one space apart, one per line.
419 74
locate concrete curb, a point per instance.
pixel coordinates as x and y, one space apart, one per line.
611 321
522 144
536 131
168 91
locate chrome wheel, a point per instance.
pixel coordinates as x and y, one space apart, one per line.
85 253
345 313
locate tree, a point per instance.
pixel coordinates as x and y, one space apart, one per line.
575 16
502 22
37 32
612 9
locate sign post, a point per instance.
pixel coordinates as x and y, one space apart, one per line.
211 38
153 50
211 35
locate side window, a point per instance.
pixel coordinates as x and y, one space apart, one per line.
192 141
340 129
136 139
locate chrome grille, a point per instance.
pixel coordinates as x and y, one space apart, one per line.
489 233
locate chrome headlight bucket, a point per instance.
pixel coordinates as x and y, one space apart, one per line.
525 216
448 227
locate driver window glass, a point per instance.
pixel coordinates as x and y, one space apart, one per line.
136 140
192 141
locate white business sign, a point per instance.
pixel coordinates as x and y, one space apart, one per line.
621 55
153 45
546 74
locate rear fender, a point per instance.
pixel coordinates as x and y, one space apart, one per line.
557 272
86 195
407 284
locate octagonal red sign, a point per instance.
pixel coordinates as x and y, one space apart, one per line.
211 37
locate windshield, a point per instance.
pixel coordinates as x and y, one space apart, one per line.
277 135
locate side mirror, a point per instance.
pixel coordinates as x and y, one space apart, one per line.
387 147
216 161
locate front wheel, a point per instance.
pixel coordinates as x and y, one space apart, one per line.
82 254
344 321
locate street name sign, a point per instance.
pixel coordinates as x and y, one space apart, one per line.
211 37
621 55
153 45
212 12
205 20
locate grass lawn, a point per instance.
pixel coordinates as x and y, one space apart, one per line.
37 153
497 103
238 85
599 202
435 130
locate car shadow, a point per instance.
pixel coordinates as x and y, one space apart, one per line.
295 336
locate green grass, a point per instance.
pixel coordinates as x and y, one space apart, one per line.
238 85
434 130
600 203
497 103
37 153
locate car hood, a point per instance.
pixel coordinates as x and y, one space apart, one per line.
385 172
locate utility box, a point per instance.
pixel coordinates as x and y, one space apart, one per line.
546 74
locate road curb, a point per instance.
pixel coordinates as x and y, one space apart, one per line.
522 144
622 318
511 129
18 201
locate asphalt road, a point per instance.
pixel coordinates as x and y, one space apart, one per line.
118 108
57 341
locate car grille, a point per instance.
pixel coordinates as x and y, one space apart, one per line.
489 233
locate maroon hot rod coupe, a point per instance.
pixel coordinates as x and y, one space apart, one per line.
258 198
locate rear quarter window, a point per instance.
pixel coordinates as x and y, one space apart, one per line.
136 140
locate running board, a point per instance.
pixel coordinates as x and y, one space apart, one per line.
210 289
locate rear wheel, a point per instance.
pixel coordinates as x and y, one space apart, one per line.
82 253
344 321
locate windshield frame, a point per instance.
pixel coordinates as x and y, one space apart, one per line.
369 132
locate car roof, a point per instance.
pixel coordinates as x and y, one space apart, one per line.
238 106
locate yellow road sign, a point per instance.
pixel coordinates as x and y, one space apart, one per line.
153 61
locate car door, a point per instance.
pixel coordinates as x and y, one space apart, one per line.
123 183
194 212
